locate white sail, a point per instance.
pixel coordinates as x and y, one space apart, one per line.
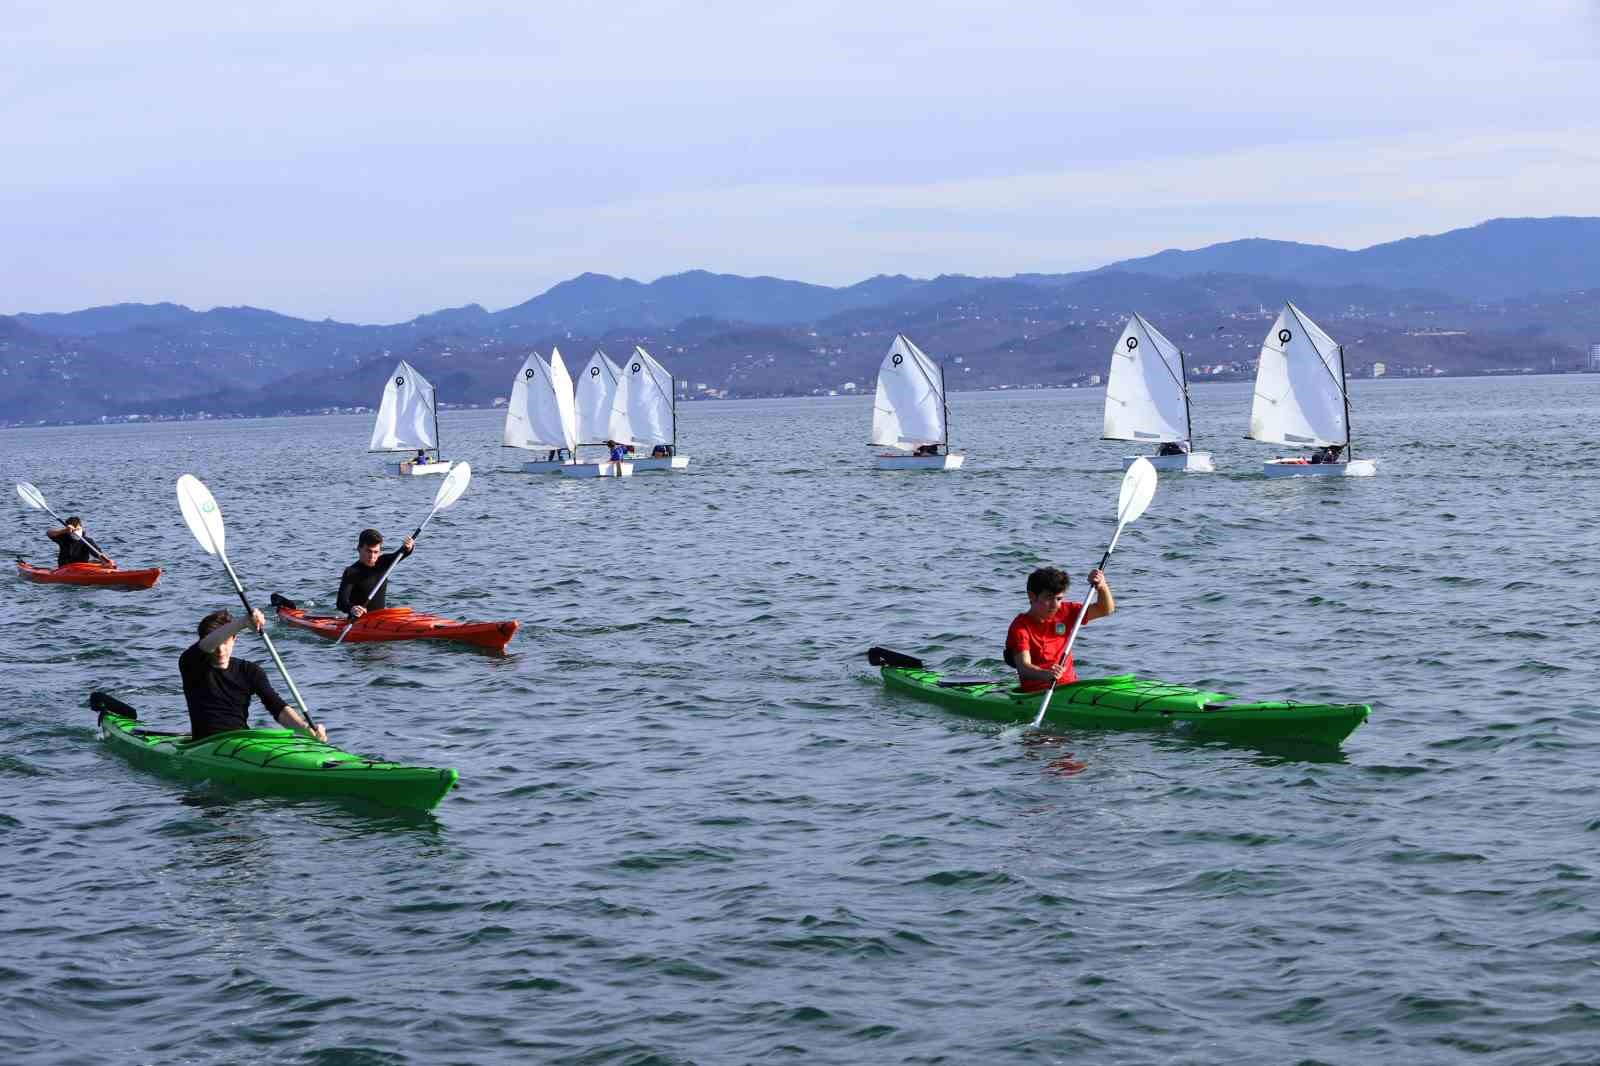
1299 397
407 419
541 413
908 409
648 398
1145 396
602 412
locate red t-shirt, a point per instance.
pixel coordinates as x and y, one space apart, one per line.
1043 642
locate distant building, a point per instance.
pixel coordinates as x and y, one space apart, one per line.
1378 370
1594 357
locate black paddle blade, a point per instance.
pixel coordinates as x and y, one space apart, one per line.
282 601
886 657
104 703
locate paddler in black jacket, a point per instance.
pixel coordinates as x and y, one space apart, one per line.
218 687
73 545
356 597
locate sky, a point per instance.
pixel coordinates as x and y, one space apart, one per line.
371 161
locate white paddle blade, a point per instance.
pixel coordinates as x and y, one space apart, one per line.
1138 489
201 513
455 483
31 496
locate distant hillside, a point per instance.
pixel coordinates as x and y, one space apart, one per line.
1504 296
1496 260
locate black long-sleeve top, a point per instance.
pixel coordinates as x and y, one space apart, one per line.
357 581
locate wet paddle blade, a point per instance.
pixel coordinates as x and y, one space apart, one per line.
201 513
1138 489
32 496
455 483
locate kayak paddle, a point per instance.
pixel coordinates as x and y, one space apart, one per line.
1138 489
205 522
35 499
455 483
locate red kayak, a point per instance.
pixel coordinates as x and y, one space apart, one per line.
402 623
89 574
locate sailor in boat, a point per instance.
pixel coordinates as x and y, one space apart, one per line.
218 687
1330 454
660 452
617 453
926 449
356 597
556 455
72 545
1038 636
421 457
1173 447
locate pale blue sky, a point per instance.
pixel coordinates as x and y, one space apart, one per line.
371 161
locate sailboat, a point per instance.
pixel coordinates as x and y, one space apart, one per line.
1302 399
541 416
1147 399
909 412
601 400
408 421
652 408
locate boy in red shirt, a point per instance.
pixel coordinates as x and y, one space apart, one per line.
1038 635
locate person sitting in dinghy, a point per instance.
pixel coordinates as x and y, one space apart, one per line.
1173 447
1038 636
73 545
218 687
1330 454
926 449
421 458
356 584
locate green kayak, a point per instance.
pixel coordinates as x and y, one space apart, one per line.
276 761
1128 702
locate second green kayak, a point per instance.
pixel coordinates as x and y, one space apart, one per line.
279 762
1128 702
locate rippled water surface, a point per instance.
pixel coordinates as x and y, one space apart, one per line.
693 827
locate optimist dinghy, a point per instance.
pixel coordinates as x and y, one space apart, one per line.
1302 399
652 408
408 421
602 411
909 412
541 417
1147 399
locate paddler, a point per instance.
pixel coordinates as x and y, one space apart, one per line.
73 545
218 687
1038 635
356 597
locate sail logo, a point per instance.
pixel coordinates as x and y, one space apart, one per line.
1284 336
400 381
898 359
636 368
528 373
594 371
1133 342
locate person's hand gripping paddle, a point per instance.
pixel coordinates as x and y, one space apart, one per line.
35 499
455 483
205 522
1138 489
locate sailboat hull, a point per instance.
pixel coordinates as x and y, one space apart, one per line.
545 466
952 461
593 470
1302 468
1190 463
672 462
416 469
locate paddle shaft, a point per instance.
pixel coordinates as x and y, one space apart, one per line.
294 691
1077 624
415 533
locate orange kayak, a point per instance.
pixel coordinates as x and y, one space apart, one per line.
402 623
89 574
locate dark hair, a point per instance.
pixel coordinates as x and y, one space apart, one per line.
369 537
212 621
1048 579
73 520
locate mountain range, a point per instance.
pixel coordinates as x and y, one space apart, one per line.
1505 295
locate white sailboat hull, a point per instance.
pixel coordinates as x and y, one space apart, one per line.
545 466
1190 463
1302 468
951 461
409 469
601 469
672 462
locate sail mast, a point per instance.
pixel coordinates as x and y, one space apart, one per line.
944 398
1344 387
1188 415
438 441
